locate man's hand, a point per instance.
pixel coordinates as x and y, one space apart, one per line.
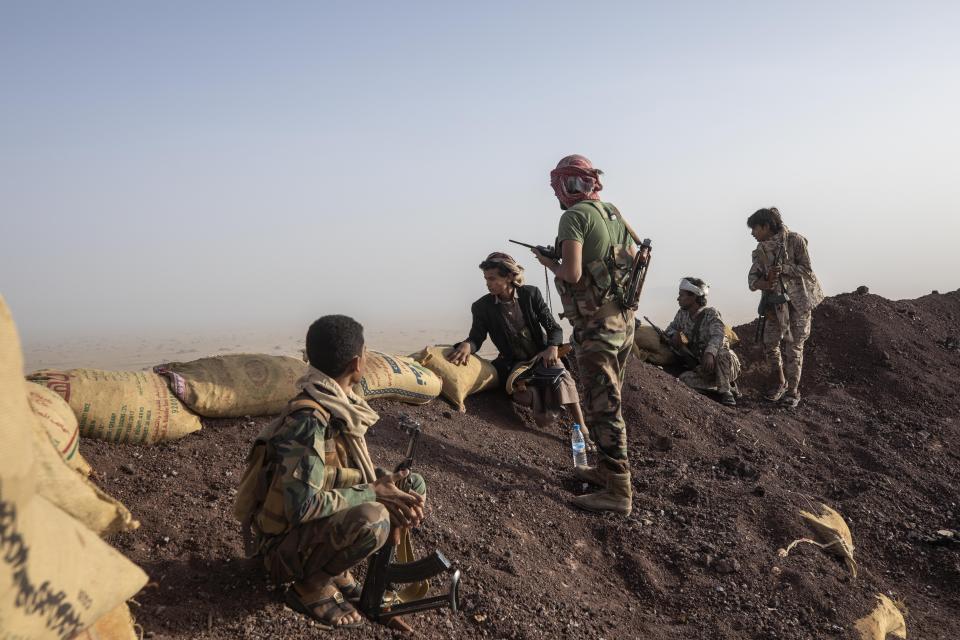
677 339
709 363
405 507
774 273
550 356
461 354
549 263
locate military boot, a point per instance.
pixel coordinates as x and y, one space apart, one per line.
617 497
594 475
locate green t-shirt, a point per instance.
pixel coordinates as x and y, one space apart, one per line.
584 223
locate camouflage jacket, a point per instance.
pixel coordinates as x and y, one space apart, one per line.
308 473
799 280
705 331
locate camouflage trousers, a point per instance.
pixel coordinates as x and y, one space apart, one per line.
785 356
334 544
603 347
721 380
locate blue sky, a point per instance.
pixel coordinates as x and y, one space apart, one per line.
175 166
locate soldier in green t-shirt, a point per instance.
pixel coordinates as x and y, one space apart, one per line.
596 256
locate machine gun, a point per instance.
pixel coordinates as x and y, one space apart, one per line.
686 356
547 252
770 299
383 573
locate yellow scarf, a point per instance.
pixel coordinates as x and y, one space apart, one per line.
349 407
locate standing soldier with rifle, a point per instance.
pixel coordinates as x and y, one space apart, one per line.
598 277
790 291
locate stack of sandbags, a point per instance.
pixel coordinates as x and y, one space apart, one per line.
459 381
121 406
58 419
397 378
57 577
231 386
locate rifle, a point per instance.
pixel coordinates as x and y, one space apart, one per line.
638 274
683 353
547 252
769 299
383 573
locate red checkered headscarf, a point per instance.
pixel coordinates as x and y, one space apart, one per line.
574 180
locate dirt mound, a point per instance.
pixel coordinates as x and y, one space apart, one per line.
717 492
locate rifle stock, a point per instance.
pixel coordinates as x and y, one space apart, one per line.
383 573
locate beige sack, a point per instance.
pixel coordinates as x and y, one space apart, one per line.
458 381
732 336
16 452
115 625
244 384
57 577
885 619
397 378
72 492
57 418
648 347
832 535
121 406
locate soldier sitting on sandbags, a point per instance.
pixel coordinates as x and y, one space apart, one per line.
309 500
698 333
523 329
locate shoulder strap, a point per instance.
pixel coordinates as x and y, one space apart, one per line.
300 403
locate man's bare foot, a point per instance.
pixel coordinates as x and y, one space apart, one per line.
348 585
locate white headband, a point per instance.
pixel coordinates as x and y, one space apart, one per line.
686 285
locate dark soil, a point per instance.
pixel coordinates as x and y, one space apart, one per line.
717 493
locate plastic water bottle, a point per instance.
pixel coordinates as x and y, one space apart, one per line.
578 446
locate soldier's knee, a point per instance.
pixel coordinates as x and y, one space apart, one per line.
375 528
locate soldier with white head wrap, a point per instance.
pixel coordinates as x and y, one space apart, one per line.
701 329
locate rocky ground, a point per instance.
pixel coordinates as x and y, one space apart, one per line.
717 493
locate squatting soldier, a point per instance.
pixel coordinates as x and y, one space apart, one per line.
310 501
781 264
701 330
596 256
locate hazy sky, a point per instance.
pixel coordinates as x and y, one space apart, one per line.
171 167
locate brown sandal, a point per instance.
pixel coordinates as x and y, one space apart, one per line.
335 607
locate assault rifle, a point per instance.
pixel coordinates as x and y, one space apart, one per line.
383 574
638 274
770 299
547 252
686 356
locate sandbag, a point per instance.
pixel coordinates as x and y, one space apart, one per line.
115 625
648 347
397 378
71 491
121 406
886 618
832 533
16 452
231 386
56 576
458 381
57 418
